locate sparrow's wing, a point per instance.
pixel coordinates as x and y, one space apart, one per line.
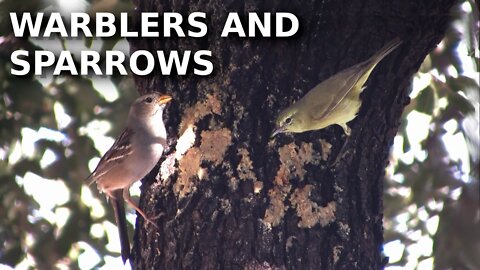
120 149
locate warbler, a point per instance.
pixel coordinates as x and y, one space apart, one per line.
334 101
132 156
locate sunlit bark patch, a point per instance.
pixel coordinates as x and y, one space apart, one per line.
192 115
337 251
276 210
326 149
292 162
309 212
214 144
189 167
244 168
294 158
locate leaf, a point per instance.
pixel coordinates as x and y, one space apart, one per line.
426 101
461 83
26 165
460 103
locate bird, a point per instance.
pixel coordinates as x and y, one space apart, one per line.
132 156
336 100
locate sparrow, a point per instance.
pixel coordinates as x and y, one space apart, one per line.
132 156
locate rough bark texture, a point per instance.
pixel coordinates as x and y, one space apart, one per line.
288 209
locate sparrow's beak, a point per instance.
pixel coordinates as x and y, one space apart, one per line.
276 131
164 99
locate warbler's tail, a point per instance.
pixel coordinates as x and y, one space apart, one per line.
385 50
364 69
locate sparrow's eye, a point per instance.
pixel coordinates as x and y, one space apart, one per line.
288 120
148 100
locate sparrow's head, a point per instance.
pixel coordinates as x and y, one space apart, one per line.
149 105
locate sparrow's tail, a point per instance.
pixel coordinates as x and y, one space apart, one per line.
119 209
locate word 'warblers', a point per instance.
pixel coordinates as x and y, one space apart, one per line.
132 156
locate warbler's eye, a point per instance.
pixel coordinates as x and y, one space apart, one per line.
148 100
288 120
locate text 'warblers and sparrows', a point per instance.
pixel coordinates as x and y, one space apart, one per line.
150 25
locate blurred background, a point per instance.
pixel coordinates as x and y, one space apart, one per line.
53 131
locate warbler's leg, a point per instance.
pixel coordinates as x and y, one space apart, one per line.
346 128
128 199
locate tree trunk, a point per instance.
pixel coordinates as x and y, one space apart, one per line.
229 197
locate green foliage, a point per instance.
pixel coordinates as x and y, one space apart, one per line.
46 143
430 193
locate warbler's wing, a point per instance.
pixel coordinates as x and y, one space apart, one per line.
327 95
337 87
120 149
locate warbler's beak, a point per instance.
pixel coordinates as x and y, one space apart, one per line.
276 131
164 99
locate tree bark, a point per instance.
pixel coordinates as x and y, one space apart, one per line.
236 199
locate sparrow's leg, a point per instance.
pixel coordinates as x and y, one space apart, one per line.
128 199
120 219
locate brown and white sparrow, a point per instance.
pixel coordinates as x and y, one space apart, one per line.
132 156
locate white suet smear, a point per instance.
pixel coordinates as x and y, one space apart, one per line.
185 142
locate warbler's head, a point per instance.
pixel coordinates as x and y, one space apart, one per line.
288 121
